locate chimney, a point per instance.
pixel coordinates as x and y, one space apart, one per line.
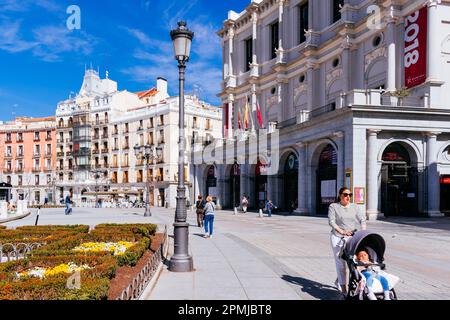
161 86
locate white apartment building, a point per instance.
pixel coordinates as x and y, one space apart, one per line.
83 150
156 125
358 93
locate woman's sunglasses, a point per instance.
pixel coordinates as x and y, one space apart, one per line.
347 194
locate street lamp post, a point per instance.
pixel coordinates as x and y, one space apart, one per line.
146 153
181 261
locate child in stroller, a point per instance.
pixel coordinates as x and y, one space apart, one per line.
370 273
364 254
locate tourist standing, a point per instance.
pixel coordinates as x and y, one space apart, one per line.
200 210
209 217
269 207
344 218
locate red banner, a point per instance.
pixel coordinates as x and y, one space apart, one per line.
416 48
226 119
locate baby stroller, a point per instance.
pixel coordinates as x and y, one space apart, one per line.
375 246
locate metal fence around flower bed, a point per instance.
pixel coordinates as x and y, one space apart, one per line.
12 252
140 282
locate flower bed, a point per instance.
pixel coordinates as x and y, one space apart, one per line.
43 274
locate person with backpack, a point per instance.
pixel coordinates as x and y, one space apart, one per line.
209 217
68 202
200 210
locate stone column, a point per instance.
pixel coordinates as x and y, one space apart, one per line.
302 179
372 175
433 176
434 46
346 65
340 141
311 87
254 66
392 63
230 107
280 55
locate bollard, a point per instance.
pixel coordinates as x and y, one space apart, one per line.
37 217
260 213
235 211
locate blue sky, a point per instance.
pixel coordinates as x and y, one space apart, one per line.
42 62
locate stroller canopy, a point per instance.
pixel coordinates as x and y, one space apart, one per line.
366 240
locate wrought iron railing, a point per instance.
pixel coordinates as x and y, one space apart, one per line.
12 252
140 282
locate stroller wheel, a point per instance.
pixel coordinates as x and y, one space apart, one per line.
393 294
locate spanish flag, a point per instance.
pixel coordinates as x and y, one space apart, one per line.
258 112
239 118
246 114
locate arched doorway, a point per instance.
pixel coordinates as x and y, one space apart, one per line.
399 183
235 185
211 183
260 185
291 183
326 176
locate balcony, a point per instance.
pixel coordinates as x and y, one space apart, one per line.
19 170
323 110
105 136
60 141
36 155
126 147
140 128
104 150
8 170
115 132
36 169
115 148
96 137
69 140
19 140
60 154
19 155
48 154
8 156
208 128
69 153
96 151
48 138
36 139
9 140
48 169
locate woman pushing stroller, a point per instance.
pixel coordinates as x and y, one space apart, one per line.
344 218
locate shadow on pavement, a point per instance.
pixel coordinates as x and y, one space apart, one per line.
440 223
201 235
313 288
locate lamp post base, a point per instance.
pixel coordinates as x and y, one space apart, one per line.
147 212
181 261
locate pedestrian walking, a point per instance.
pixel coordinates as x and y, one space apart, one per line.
209 217
244 204
200 210
68 202
344 218
269 207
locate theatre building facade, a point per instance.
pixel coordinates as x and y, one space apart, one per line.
357 94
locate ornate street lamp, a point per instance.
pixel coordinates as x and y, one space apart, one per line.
146 153
181 261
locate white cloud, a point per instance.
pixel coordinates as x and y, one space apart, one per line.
25 5
47 42
54 41
10 39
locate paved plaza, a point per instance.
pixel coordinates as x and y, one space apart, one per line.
282 257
